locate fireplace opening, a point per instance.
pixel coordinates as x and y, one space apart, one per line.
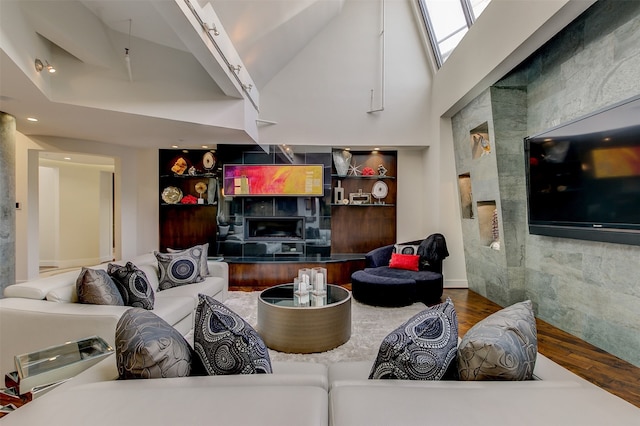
274 228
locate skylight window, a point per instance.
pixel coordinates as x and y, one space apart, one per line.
447 21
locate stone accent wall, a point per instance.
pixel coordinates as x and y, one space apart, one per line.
589 289
7 201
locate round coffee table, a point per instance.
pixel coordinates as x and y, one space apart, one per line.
286 326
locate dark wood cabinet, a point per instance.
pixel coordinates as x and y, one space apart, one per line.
187 176
363 222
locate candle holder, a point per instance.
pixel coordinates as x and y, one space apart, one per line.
319 281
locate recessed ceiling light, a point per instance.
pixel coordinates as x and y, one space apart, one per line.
67 158
205 146
174 146
32 119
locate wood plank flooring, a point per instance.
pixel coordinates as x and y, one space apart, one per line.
587 361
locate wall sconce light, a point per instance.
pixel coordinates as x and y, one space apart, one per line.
213 29
247 87
236 68
40 66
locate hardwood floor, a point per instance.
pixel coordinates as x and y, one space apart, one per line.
587 361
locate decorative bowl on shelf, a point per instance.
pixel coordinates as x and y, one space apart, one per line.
171 195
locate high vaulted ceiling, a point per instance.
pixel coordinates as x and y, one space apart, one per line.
91 97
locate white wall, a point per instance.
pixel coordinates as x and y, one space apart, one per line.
49 196
82 203
136 217
322 97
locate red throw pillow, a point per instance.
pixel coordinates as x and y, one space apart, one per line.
404 261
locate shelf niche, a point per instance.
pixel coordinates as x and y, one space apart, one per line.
480 142
488 223
466 197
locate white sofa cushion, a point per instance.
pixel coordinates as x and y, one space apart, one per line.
175 402
38 288
210 286
478 403
295 373
66 294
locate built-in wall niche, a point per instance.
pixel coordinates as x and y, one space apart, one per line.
480 142
466 197
488 224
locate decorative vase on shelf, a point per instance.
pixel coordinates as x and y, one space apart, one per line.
342 161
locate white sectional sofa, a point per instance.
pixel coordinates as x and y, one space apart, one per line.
43 312
556 396
300 393
295 394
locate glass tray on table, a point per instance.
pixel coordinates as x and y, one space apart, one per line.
59 363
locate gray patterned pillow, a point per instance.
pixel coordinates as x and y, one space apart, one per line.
226 343
420 349
204 266
502 346
147 347
179 268
95 287
133 285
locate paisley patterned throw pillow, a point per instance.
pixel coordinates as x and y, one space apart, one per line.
133 285
226 343
95 287
420 349
502 346
179 268
147 347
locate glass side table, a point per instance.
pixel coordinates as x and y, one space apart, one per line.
43 368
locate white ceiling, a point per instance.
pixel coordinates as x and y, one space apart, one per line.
266 34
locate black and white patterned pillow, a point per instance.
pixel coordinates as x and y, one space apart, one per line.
147 347
204 266
95 287
405 248
503 346
133 285
422 348
179 268
226 343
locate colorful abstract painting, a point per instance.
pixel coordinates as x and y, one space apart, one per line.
271 179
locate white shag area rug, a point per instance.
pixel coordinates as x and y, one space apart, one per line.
369 325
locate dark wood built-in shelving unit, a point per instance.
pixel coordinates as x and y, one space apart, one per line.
359 228
185 225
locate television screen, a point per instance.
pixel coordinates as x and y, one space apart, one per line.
583 178
273 179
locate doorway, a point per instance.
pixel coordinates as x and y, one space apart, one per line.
76 217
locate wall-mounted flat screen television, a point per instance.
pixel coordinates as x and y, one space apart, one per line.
583 177
273 180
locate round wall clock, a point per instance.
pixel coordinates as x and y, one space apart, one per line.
208 160
379 190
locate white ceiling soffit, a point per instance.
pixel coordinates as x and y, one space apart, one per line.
89 36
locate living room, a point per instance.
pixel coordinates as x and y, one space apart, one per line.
421 112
